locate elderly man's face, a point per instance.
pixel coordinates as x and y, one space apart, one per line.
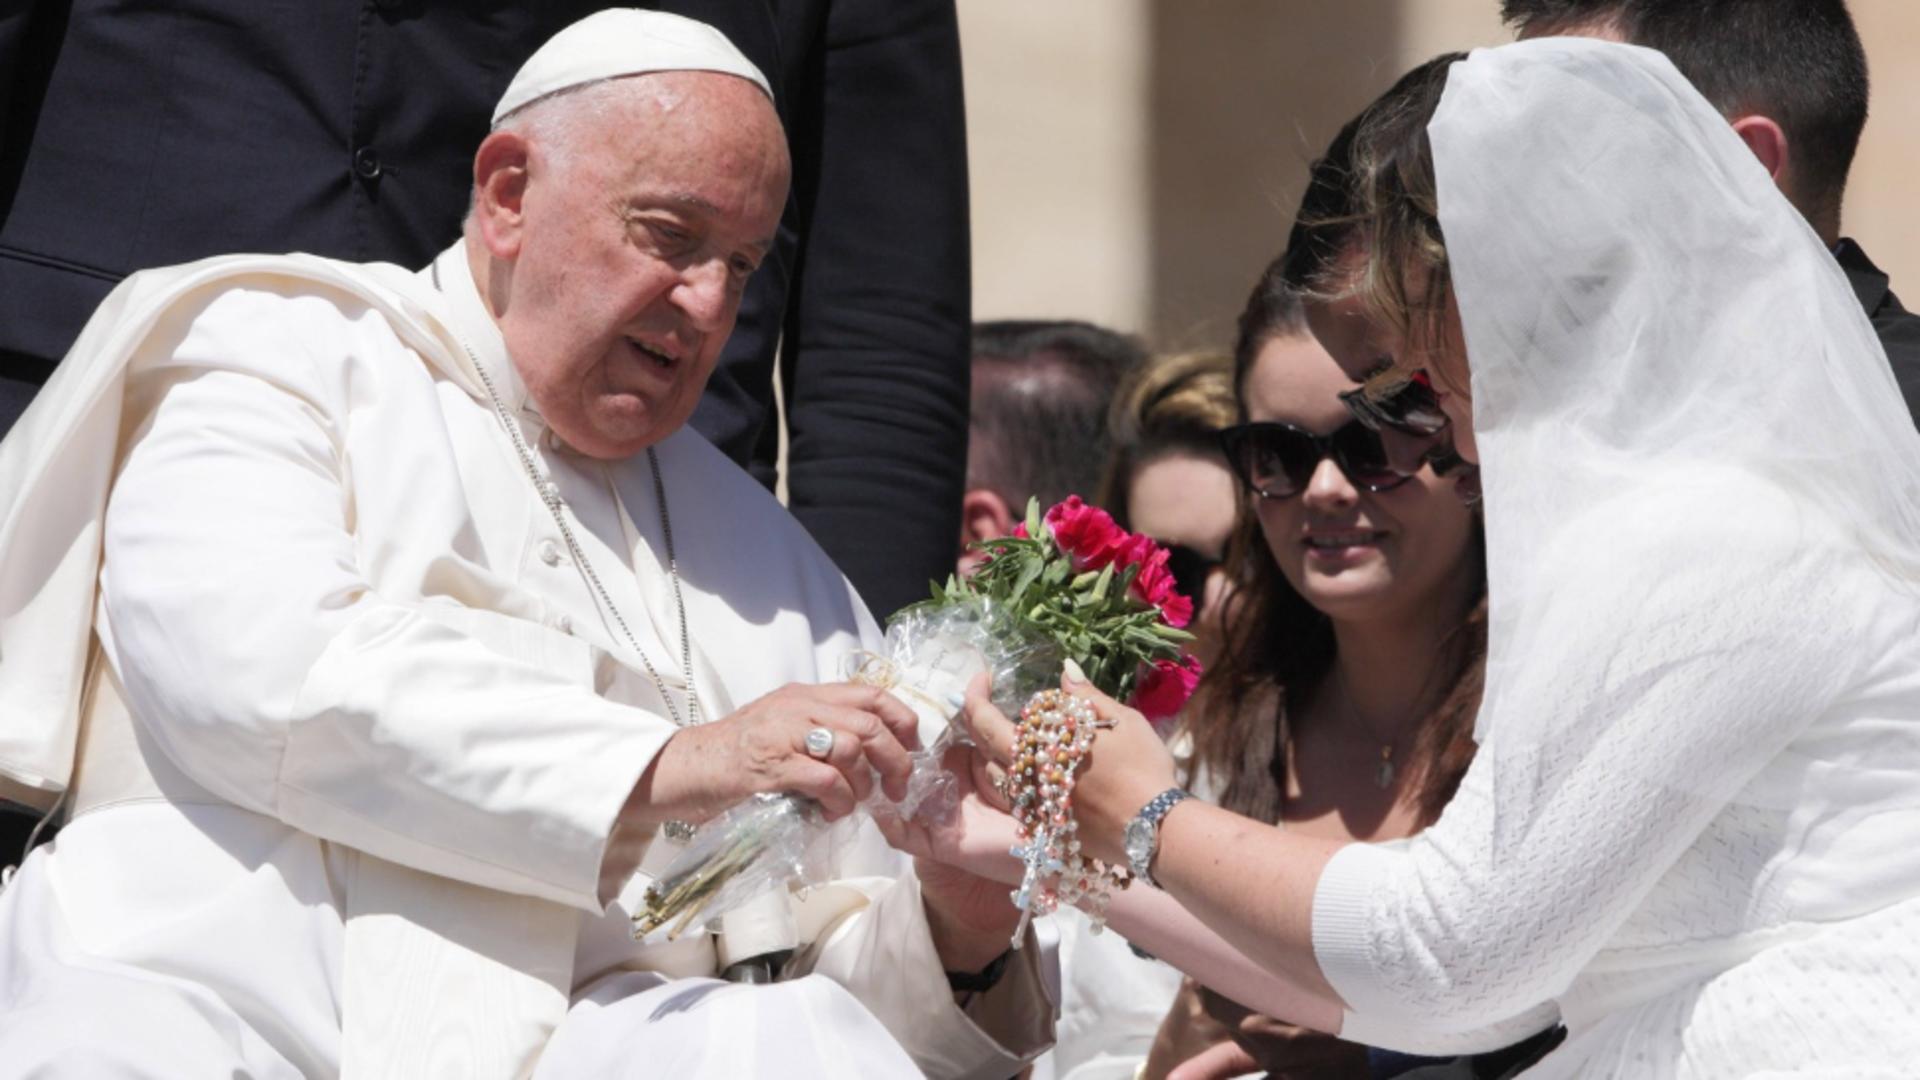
633 251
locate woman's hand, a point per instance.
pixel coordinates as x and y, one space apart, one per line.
1127 766
702 770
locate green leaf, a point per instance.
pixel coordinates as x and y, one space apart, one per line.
1029 574
1101 585
1033 518
1057 572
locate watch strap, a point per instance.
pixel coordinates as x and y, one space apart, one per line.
1150 815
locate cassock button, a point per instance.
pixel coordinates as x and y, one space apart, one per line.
366 163
550 553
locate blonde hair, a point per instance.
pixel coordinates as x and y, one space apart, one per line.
1170 403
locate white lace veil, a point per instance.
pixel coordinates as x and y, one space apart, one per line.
1665 363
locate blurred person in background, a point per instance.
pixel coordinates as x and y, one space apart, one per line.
1041 393
1168 478
1791 77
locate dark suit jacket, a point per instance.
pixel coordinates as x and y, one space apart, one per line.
1899 329
146 134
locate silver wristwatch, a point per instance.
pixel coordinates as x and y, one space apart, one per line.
1143 833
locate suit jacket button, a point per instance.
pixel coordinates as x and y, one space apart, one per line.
366 163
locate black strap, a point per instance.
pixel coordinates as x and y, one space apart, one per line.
979 982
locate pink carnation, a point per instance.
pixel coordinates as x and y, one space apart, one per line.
1087 534
1154 584
1165 688
1092 539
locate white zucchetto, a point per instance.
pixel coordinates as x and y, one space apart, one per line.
619 42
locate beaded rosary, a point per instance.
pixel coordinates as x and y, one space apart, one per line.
1051 739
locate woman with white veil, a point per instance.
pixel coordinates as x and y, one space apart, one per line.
1691 826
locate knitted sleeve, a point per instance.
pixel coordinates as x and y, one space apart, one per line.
1620 718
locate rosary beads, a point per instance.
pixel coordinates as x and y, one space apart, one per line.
1051 739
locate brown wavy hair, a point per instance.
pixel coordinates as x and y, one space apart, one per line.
1278 648
1374 193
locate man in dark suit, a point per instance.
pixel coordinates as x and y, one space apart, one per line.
1898 328
134 136
1791 77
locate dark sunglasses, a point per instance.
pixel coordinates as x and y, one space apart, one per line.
1276 461
1406 404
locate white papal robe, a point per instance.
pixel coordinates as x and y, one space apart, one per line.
357 726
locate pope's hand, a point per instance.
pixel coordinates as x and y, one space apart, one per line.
705 769
1127 766
964 867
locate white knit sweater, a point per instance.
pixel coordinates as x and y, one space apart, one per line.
1724 880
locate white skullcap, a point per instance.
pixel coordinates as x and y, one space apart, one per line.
624 41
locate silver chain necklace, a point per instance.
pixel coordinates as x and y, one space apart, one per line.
550 495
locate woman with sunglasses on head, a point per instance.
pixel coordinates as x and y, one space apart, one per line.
1689 826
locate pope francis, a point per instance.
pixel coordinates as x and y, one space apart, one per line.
375 633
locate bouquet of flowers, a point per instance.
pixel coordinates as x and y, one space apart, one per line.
1067 584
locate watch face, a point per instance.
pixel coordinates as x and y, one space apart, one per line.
1138 841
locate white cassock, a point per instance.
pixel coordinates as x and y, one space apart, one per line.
1112 1003
357 727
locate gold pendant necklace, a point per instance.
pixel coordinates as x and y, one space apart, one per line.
1383 772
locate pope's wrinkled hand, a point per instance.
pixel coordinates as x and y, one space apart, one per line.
762 747
964 869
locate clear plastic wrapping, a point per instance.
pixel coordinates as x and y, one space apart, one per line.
931 653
